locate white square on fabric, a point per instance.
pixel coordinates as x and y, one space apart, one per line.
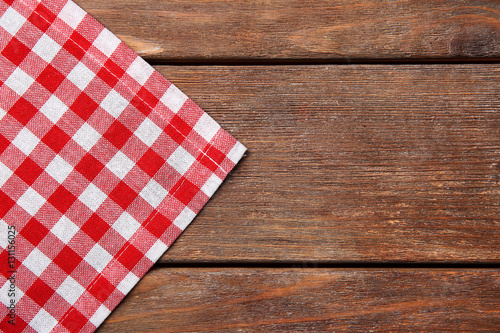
153 193
31 201
114 103
99 316
4 293
5 173
98 258
46 48
127 283
2 113
64 229
70 290
236 152
19 81
59 169
4 230
148 132
173 98
36 262
120 165
184 218
140 70
81 76
181 160
53 109
92 197
107 42
211 185
206 127
25 141
12 21
43 322
72 14
126 225
86 136
156 251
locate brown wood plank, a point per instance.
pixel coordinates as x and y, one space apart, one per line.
351 163
310 300
222 30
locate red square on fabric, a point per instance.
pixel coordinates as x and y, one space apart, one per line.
45 13
174 134
15 51
180 125
140 105
117 134
23 111
84 106
80 40
107 77
5 268
34 231
151 162
41 18
74 320
89 167
40 292
62 199
148 97
50 78
28 171
74 49
38 21
184 191
56 139
208 162
215 154
95 227
18 326
6 204
101 289
67 259
114 68
4 143
123 195
157 224
130 256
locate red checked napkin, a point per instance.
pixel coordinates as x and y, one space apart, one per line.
103 163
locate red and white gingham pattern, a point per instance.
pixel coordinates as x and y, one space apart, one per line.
103 163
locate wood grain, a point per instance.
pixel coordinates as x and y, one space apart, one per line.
360 163
363 164
229 30
310 300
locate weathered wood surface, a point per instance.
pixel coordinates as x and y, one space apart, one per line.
235 30
310 300
366 164
351 163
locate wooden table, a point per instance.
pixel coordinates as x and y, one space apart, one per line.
369 199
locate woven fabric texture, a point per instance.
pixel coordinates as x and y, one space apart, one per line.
103 163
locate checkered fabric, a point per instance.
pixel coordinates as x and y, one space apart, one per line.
103 163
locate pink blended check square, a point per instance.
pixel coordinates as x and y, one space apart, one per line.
103 163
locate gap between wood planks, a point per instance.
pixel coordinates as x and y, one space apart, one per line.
306 62
339 265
